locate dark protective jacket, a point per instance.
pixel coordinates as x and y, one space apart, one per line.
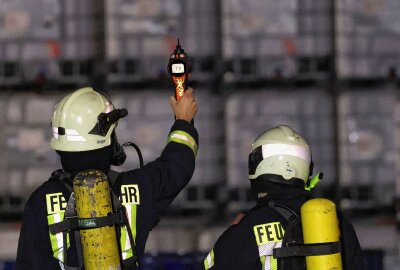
239 246
146 193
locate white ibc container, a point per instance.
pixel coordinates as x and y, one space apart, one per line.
368 38
367 142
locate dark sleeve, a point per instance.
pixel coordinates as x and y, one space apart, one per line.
235 249
33 247
352 257
171 172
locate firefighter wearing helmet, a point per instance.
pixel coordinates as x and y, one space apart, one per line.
84 136
74 119
280 169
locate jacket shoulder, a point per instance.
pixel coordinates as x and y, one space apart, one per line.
50 186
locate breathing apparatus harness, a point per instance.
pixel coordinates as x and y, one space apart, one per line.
119 218
293 251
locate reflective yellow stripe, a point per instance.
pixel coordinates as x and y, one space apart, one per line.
183 137
206 267
262 259
273 263
209 260
126 245
124 236
132 222
56 240
53 238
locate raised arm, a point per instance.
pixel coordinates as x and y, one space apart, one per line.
174 168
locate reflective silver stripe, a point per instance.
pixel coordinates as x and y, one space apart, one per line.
183 137
55 133
73 136
180 136
209 260
126 247
269 150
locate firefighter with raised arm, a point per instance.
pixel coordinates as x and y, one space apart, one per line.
270 235
85 138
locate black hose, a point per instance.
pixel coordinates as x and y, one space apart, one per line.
137 150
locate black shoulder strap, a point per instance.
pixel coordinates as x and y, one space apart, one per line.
118 206
70 212
289 214
112 176
292 235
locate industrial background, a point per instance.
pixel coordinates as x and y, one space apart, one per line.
328 68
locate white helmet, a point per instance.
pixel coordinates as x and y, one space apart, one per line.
280 151
84 120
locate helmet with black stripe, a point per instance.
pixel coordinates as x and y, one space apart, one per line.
75 116
85 120
282 153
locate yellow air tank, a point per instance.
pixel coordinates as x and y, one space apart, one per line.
320 225
93 200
